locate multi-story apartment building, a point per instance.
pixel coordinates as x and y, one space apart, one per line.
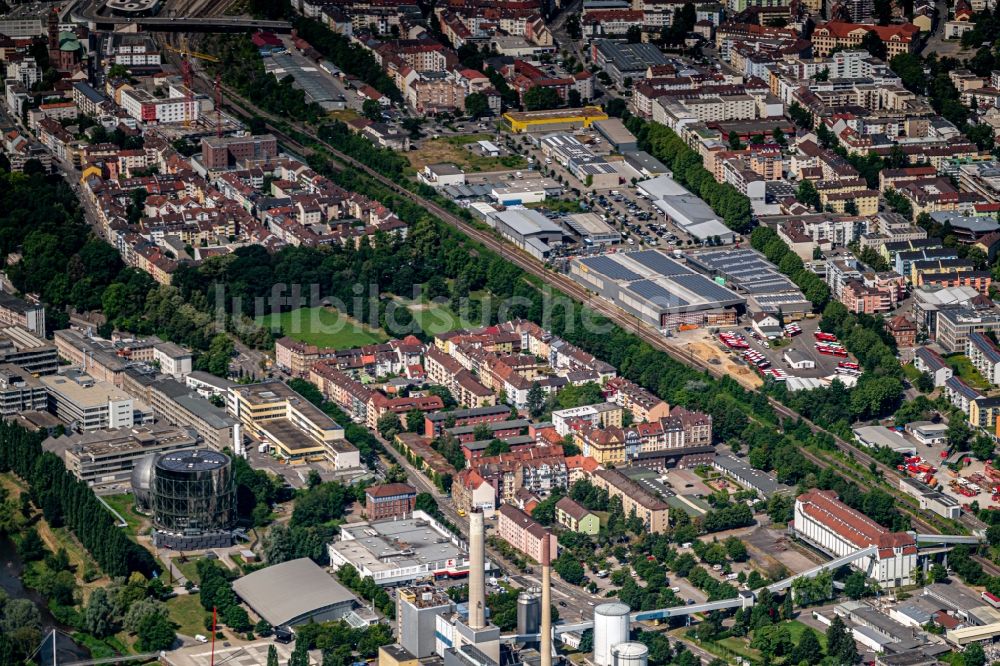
605 445
652 510
984 355
644 405
577 518
602 415
697 426
524 533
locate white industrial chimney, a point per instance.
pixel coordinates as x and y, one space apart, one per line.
477 570
545 646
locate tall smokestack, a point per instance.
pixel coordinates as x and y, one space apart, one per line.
477 570
546 638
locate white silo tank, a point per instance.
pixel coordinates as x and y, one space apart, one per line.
611 627
630 653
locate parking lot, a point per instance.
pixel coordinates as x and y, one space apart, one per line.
804 343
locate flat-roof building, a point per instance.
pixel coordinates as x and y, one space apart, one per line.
657 289
764 484
622 61
930 499
553 119
27 351
529 230
399 551
20 391
102 457
180 405
16 311
85 404
294 427
614 130
293 593
685 209
584 165
750 273
879 436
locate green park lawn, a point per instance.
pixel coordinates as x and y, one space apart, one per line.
322 326
186 612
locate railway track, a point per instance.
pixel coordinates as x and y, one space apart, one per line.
574 290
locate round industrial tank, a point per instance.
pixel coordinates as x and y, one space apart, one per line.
611 627
142 482
193 492
529 613
629 654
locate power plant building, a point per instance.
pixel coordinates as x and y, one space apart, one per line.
417 611
658 290
611 627
824 521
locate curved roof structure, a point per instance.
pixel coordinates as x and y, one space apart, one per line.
290 593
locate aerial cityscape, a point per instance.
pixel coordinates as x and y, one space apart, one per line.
500 332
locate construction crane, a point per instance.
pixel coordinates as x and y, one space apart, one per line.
187 72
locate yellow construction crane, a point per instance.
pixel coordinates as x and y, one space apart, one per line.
188 73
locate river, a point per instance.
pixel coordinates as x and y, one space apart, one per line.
10 582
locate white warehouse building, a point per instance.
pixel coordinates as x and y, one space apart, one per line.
829 524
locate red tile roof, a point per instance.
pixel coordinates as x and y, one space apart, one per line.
824 507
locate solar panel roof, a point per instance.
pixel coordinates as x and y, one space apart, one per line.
705 288
659 263
610 268
657 294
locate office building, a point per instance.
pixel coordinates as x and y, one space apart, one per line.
20 391
291 425
103 457
222 152
175 403
27 351
86 404
15 311
389 500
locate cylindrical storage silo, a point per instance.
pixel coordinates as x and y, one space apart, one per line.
529 613
611 627
630 653
193 492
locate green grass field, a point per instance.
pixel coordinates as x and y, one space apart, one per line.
323 327
911 372
186 612
189 568
963 367
124 504
434 318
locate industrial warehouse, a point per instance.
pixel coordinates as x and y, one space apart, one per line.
748 272
658 289
686 210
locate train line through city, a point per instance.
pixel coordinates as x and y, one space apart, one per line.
572 289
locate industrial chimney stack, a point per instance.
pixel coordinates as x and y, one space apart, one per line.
477 570
546 638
